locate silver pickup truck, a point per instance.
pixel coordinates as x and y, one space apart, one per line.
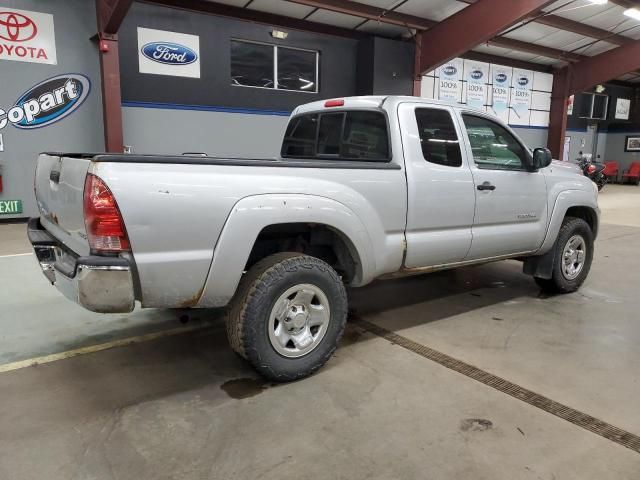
364 188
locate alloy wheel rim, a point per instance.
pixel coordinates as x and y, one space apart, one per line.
299 320
573 257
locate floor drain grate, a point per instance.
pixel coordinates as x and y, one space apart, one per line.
583 420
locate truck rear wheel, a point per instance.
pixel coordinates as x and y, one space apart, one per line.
288 315
572 257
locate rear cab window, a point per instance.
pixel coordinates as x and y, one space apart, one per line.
438 137
360 135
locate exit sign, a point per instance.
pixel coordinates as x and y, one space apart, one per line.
10 207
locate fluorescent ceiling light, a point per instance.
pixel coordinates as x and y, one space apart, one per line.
633 13
598 2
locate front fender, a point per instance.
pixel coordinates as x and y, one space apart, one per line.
564 201
252 214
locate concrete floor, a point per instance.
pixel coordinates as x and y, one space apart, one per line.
185 407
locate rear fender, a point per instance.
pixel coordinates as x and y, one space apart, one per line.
252 214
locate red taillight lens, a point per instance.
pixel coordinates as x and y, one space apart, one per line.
591 168
102 218
334 103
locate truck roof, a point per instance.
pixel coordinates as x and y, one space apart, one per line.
374 101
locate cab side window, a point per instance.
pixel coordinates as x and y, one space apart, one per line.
438 137
493 146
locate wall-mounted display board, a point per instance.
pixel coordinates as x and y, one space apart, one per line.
519 97
623 107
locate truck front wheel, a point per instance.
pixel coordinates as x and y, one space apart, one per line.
572 258
288 315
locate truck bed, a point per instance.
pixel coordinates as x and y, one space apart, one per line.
176 208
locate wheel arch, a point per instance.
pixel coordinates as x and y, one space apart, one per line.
586 213
577 203
257 217
319 240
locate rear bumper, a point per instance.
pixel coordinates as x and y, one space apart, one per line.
99 284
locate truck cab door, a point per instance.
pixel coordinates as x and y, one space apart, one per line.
441 195
511 201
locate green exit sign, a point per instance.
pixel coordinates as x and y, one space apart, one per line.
10 207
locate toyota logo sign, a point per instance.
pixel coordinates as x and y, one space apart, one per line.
27 36
16 27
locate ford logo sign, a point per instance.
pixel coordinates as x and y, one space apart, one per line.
169 53
501 77
450 70
524 81
477 74
49 101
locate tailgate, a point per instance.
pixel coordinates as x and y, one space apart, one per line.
59 186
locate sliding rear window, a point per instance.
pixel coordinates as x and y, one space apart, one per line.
351 135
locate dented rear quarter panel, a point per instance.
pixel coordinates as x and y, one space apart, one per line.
175 214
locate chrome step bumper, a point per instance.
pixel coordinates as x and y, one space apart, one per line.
100 284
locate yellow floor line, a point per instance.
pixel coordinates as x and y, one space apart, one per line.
54 357
16 255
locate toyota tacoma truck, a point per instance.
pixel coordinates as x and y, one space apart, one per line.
364 188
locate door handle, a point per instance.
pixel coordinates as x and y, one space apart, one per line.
486 186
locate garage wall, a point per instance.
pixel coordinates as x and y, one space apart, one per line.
174 131
385 67
611 132
615 143
74 24
170 114
533 137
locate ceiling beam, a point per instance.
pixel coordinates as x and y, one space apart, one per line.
583 29
573 26
627 3
603 67
350 8
507 62
204 6
381 15
474 25
370 12
110 14
541 50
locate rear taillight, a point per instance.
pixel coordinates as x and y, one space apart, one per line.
102 218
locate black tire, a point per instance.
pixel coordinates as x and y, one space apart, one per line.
559 283
250 309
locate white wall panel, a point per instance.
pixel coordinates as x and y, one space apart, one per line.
541 101
427 87
532 102
542 81
539 119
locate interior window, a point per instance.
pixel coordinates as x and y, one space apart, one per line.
493 146
438 137
272 66
251 64
300 137
365 136
297 70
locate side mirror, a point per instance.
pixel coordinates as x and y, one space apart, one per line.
541 158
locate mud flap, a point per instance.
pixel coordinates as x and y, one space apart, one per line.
540 266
